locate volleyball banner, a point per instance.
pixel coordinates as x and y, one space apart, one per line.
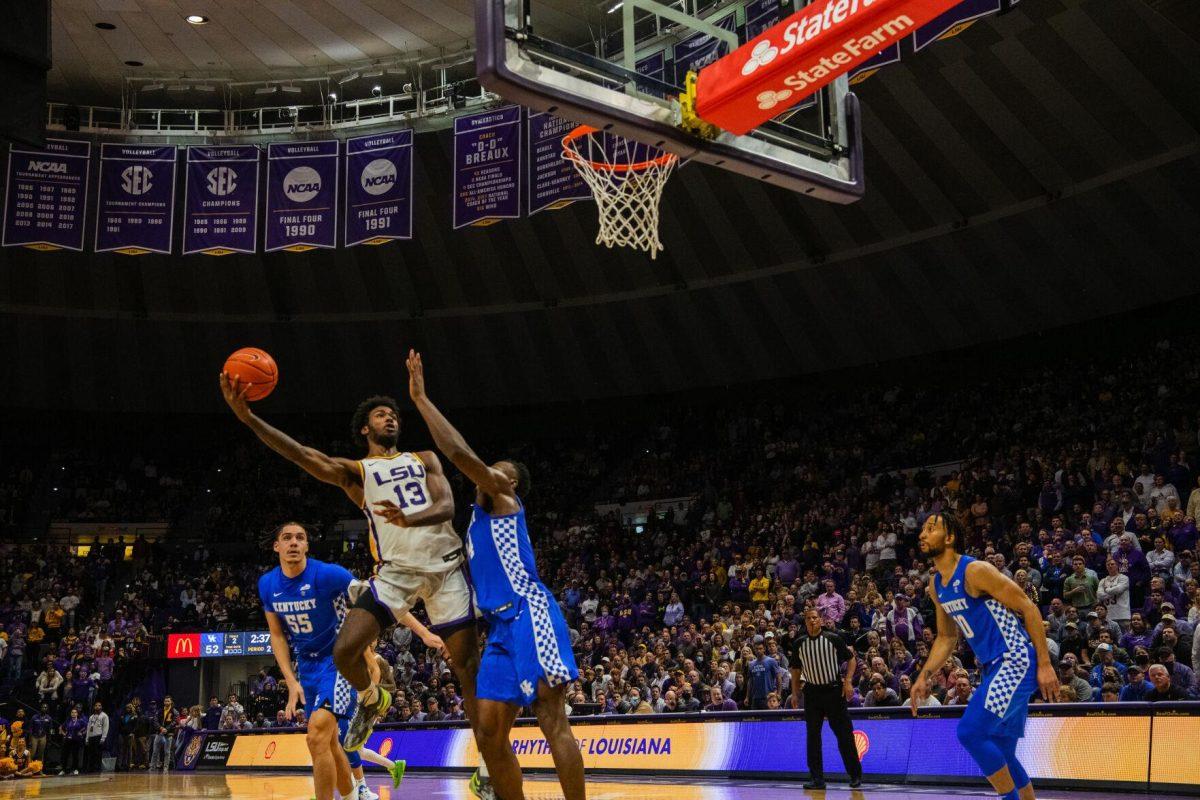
379 180
302 195
45 195
553 181
1105 747
135 209
221 200
953 22
487 167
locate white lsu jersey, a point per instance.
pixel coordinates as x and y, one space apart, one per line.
401 479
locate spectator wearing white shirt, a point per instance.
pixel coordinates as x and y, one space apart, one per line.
1162 492
1160 559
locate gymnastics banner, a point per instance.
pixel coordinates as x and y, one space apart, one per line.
221 200
302 195
135 210
379 175
953 22
487 167
45 195
553 181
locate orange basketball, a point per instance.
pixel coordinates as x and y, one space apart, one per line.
255 367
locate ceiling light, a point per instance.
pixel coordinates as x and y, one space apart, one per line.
197 19
204 87
396 71
353 76
266 90
152 87
291 89
617 6
178 87
106 26
134 64
333 95
377 89
374 74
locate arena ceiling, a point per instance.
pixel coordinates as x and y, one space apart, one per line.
1041 170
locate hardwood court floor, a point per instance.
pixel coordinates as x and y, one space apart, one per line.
291 786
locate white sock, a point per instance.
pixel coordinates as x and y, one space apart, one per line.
375 758
483 773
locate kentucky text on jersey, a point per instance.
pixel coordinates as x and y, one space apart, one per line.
300 605
989 627
311 606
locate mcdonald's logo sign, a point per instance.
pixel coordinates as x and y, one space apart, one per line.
183 645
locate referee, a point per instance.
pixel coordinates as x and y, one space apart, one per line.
819 655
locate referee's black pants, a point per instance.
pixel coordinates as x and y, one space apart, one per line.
820 703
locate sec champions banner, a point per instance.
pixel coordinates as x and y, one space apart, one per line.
221 206
553 181
379 178
487 167
45 196
135 210
302 195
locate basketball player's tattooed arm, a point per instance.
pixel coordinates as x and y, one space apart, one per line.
984 578
283 658
450 442
440 508
943 648
338 471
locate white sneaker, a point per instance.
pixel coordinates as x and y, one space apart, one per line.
364 792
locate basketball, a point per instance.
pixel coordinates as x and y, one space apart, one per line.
255 367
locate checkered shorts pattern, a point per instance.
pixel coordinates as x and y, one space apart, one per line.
1012 672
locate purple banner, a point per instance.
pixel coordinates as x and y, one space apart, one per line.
760 15
302 195
888 55
652 66
135 210
46 195
553 181
379 178
699 50
487 167
953 22
221 213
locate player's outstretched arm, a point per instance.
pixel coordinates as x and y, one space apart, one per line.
338 471
942 649
985 578
449 441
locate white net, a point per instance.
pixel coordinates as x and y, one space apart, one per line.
627 179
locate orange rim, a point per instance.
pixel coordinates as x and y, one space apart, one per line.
586 130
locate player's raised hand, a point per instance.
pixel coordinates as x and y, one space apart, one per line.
416 375
1048 682
295 697
235 395
392 513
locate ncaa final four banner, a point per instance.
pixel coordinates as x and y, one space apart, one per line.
553 181
221 200
135 210
302 195
379 178
487 167
45 196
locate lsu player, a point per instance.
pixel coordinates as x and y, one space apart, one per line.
528 659
305 602
408 504
1004 629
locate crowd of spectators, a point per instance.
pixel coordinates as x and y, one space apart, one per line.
1077 481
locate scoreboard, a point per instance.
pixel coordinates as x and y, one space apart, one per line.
229 644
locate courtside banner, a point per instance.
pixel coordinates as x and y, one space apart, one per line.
1107 748
487 167
553 181
953 22
135 210
45 196
808 50
221 200
302 195
379 181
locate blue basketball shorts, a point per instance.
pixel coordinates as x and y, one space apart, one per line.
324 687
531 644
1000 705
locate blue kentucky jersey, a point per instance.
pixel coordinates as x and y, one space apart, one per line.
503 569
988 626
311 606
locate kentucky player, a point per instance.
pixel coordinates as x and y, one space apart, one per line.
1004 628
528 658
305 603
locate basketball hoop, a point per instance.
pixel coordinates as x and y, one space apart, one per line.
627 179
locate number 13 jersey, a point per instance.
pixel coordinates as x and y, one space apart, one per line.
402 480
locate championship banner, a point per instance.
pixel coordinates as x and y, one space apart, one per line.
699 50
953 22
135 210
487 167
302 195
553 180
760 15
889 55
379 177
45 196
652 66
221 211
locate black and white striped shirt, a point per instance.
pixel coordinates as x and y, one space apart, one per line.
820 657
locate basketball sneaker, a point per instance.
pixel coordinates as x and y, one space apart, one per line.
365 717
481 787
397 771
363 792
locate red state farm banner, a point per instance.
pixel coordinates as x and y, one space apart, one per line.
788 62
